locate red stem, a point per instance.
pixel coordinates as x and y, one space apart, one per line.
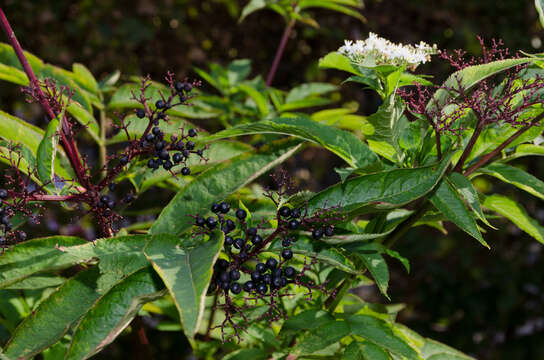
468 149
67 140
279 52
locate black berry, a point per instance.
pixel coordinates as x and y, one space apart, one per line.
289 271
329 231
235 288
257 239
285 211
224 207
188 87
177 158
123 160
234 275
262 289
105 199
160 104
129 198
260 267
215 208
21 235
287 254
267 278
271 263
211 222
222 264
276 281
252 231
190 145
179 86
286 242
231 225
293 224
224 285
317 234
241 214
239 243
224 276
192 132
256 276
200 221
295 213
140 113
156 131
248 286
229 240
185 171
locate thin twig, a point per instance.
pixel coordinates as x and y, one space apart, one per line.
279 52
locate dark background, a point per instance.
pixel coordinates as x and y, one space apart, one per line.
488 303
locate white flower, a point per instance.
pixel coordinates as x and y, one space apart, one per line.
382 51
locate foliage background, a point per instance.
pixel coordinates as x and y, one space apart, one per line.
487 303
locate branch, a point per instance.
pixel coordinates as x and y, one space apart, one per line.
279 52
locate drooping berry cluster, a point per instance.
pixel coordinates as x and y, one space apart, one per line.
259 264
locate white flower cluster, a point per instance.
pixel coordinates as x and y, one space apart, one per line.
383 51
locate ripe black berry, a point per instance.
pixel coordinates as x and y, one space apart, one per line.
200 221
156 131
276 273
159 145
211 222
177 158
140 113
295 213
271 263
5 220
229 240
235 288
262 289
164 154
248 286
224 207
256 276
267 278
231 225
234 275
243 255
185 171
289 271
190 145
224 276
285 211
286 242
260 267
3 194
111 204
252 231
287 254
151 163
105 199
239 243
241 214
224 285
111 186
21 235
257 239
276 281
160 104
123 160
317 234
215 208
222 264
167 165
129 198
192 132
179 86
293 224
329 231
188 87
200 152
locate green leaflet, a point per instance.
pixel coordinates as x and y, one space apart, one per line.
186 273
112 313
447 200
217 183
47 151
514 212
364 350
516 177
383 190
344 144
370 255
469 194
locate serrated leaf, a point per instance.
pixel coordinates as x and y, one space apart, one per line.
467 191
321 337
383 190
217 183
370 255
380 333
516 177
514 212
447 200
364 350
112 313
186 273
344 144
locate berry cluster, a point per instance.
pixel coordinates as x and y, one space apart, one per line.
251 270
7 236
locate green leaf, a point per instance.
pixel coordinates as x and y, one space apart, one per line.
47 151
386 124
525 150
85 78
539 4
186 273
54 316
86 119
335 60
514 212
306 320
13 75
301 104
303 91
258 97
238 70
331 5
467 191
472 75
36 255
327 255
380 333
8 57
217 183
383 190
321 337
251 7
364 350
370 255
37 282
344 144
516 177
447 200
112 313
434 350
247 354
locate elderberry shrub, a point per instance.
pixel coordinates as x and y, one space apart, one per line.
252 270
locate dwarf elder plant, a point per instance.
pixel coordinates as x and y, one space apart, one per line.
240 269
